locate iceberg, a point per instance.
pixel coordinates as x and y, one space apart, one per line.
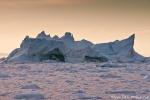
66 49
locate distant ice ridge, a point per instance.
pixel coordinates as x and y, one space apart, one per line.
66 49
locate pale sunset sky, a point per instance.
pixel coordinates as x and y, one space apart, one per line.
98 21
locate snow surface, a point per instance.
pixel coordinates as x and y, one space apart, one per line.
74 81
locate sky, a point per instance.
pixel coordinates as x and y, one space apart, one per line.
98 21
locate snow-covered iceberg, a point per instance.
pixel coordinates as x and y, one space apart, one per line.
66 49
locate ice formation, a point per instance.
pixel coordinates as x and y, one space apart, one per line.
66 49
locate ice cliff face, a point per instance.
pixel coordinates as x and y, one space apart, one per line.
116 47
66 49
120 51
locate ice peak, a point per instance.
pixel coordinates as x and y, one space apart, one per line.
68 34
43 32
130 40
55 37
27 37
43 35
68 39
132 37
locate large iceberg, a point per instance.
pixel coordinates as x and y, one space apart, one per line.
66 49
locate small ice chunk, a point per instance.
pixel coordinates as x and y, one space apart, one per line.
24 67
29 96
31 86
3 75
147 76
120 92
111 65
109 75
91 97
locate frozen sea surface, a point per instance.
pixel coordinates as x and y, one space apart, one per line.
78 81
